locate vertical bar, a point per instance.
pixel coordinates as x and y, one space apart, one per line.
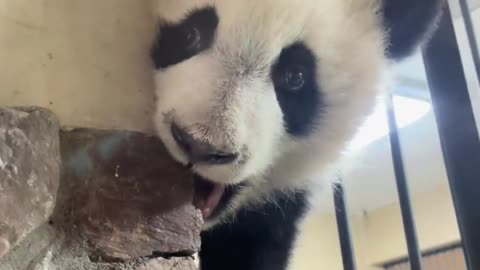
403 190
472 40
343 226
458 133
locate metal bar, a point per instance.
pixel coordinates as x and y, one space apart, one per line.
472 40
343 226
458 133
403 190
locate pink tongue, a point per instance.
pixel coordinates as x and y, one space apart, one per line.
207 196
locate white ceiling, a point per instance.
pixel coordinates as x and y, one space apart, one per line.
370 182
455 8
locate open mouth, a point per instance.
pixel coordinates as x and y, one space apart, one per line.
212 198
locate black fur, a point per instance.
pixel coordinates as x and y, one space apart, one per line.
409 23
260 239
300 107
170 48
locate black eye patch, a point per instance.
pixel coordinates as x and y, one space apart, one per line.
180 41
296 88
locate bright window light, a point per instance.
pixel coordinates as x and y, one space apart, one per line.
407 111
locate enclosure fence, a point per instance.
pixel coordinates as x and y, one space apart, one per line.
460 146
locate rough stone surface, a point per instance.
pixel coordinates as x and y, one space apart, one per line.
29 172
128 197
122 204
169 264
48 249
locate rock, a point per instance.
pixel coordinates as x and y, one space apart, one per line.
48 249
29 172
126 196
169 264
122 204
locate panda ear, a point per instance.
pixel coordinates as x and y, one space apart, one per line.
408 24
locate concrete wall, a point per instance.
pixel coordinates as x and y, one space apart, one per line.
85 60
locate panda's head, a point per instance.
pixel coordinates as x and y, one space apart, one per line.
260 95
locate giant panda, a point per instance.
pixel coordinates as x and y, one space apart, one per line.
259 97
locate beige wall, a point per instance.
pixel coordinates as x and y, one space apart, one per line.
435 219
318 247
378 235
86 60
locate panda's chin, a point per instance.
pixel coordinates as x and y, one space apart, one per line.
212 198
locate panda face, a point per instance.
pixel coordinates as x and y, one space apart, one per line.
261 95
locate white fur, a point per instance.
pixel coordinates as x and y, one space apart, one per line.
225 95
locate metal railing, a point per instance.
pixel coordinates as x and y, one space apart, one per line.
460 143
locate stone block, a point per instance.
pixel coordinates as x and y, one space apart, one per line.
126 195
169 264
29 171
122 203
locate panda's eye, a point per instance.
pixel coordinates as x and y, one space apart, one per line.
295 78
296 85
192 38
177 42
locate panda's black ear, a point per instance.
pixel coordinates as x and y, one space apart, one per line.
409 23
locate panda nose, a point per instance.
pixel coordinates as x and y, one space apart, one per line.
199 151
